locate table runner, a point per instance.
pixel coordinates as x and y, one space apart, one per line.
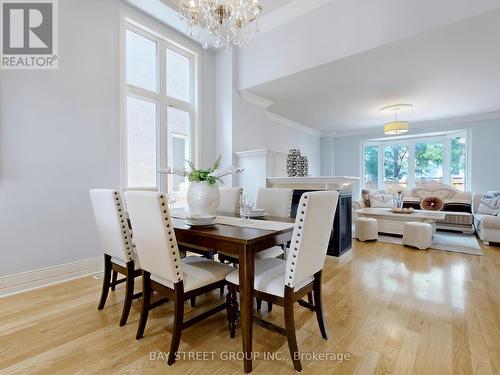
252 223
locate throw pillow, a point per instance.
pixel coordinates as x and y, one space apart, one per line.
432 204
366 194
381 200
365 197
490 204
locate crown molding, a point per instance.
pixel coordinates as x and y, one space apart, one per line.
423 124
328 134
287 13
292 124
259 152
255 99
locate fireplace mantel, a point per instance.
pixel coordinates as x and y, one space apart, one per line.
340 183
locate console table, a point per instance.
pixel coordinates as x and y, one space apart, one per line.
341 237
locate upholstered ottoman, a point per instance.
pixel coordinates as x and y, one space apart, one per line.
418 235
366 229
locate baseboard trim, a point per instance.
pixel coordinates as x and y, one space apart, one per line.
22 282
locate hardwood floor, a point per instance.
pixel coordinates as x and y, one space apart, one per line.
394 309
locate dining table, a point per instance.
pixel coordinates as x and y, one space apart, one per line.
242 239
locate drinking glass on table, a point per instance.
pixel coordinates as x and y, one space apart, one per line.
171 199
245 206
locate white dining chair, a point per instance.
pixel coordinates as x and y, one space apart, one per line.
286 282
116 243
278 203
148 188
163 270
230 199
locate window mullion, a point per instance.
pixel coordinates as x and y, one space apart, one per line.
162 128
447 161
381 169
411 165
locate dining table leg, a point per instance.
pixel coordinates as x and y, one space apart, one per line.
246 279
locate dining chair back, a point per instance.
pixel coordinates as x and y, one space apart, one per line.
112 227
311 235
138 188
115 238
286 282
163 270
154 234
230 199
276 201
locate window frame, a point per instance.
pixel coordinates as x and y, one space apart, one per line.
160 98
171 153
411 141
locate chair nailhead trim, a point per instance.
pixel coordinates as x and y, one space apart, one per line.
298 234
175 251
125 229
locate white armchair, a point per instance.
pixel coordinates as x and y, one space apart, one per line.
487 226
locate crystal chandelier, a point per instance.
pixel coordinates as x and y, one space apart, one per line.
227 21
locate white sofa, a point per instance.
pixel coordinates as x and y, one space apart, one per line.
487 226
457 205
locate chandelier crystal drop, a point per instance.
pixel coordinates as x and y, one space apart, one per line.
227 21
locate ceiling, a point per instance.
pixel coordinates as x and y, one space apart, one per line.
166 11
447 72
269 6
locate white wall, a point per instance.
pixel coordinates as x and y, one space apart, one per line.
244 126
224 89
328 156
484 149
253 130
59 137
343 28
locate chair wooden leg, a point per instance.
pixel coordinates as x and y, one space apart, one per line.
129 293
259 304
310 298
290 329
178 320
146 301
113 280
221 290
231 307
318 304
269 306
105 281
193 302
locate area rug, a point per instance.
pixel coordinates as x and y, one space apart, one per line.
446 241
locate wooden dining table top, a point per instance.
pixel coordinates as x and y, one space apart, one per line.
227 232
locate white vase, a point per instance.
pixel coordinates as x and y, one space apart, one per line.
203 198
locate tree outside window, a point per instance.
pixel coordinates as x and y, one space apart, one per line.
428 162
441 159
371 167
396 166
